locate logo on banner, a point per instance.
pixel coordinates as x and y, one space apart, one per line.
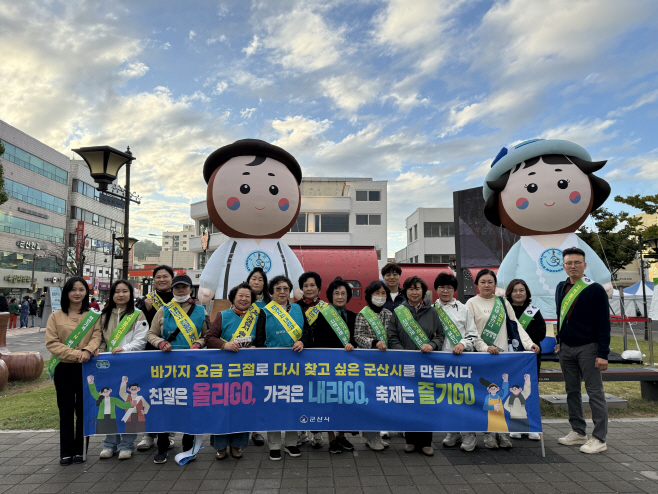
102 364
551 260
303 419
258 259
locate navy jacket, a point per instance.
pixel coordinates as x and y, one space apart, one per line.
589 321
399 300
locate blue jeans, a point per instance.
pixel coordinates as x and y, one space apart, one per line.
32 321
120 442
221 441
24 319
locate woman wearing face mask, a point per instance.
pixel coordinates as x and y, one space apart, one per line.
166 334
124 329
370 333
485 308
231 330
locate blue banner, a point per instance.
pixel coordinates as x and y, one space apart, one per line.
218 392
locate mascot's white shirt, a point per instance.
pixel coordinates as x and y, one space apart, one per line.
542 270
269 254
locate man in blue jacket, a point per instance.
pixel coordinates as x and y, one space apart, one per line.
583 343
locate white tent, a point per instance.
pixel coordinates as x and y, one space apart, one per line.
633 306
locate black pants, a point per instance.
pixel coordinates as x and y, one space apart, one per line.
419 439
163 442
68 387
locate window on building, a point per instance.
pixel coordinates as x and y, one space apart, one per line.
23 262
332 223
416 232
34 197
368 219
437 258
411 235
379 254
356 288
368 195
300 224
27 228
95 219
31 162
439 229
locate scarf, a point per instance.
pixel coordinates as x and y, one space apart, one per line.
342 311
237 311
513 397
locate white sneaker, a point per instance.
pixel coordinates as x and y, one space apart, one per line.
490 441
145 443
534 436
107 453
375 445
451 439
515 435
302 438
384 434
469 441
503 441
384 443
594 446
317 441
125 455
172 443
573 439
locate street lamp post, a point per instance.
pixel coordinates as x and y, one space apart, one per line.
104 163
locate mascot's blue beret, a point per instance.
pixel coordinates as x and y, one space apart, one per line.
506 160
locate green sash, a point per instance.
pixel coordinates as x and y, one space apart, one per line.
528 315
75 337
183 322
247 324
313 313
568 300
375 324
411 327
337 324
495 322
122 328
288 323
449 327
158 303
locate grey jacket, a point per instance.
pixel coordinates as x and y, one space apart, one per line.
427 319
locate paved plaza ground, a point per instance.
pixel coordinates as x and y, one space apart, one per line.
29 462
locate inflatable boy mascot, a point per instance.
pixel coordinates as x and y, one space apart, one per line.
543 190
254 199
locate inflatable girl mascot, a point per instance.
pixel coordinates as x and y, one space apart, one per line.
543 190
254 199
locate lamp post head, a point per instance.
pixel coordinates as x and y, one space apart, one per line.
131 242
104 163
653 243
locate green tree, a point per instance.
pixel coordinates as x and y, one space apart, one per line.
3 193
144 247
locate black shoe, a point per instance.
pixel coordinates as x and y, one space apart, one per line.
66 461
345 444
257 439
292 451
334 447
275 454
160 457
78 459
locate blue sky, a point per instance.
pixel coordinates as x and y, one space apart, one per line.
422 94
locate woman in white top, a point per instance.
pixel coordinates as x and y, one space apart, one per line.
481 306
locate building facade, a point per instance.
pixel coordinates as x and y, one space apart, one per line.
176 248
102 214
33 220
430 237
334 211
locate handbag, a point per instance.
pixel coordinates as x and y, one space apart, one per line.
513 337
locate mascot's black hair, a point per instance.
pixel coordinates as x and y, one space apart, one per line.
486 383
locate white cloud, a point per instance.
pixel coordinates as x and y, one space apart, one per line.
586 132
302 40
298 133
641 167
242 78
192 35
135 69
645 99
349 92
220 87
166 46
247 112
215 39
253 46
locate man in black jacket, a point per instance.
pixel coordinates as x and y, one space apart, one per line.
583 343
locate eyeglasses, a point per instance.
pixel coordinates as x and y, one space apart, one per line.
518 292
281 289
574 263
445 289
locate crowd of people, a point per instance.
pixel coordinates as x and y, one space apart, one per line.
262 314
22 311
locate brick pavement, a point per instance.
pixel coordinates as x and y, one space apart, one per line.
29 463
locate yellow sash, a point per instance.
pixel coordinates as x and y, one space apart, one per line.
289 324
313 313
184 323
157 300
247 324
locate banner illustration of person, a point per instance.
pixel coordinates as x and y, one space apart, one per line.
106 422
493 405
515 405
543 190
134 418
254 198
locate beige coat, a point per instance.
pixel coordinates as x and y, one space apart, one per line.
60 326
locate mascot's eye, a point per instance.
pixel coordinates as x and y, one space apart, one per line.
563 184
244 188
532 188
274 190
